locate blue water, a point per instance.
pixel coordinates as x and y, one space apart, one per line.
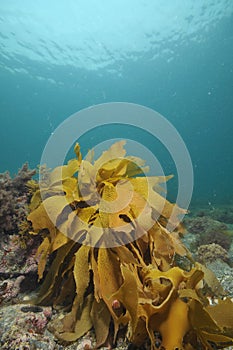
176 57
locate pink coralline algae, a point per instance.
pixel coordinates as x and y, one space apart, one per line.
16 258
17 265
25 330
18 248
35 322
10 288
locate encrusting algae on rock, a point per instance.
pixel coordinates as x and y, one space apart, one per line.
114 263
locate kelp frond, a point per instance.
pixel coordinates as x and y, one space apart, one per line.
115 257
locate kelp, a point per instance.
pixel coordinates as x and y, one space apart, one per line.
114 240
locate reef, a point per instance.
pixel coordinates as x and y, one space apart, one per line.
25 330
14 197
115 270
209 231
222 214
210 252
18 266
204 224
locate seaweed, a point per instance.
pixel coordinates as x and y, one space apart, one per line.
134 285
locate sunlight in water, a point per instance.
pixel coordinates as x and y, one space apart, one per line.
95 34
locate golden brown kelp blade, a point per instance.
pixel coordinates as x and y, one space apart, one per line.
118 263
